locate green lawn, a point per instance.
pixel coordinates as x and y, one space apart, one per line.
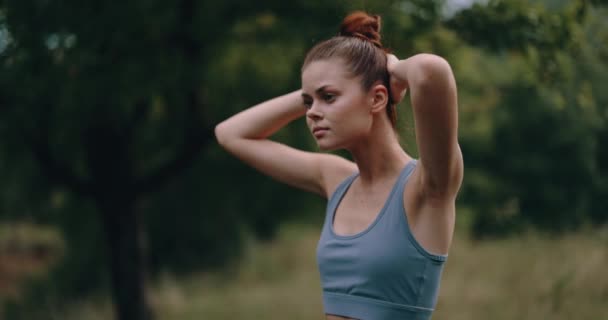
527 277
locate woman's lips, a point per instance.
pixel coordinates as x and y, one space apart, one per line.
319 132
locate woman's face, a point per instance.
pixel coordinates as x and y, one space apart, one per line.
339 110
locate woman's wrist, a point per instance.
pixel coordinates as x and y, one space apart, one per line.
398 79
263 119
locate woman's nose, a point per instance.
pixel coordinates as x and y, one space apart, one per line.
314 112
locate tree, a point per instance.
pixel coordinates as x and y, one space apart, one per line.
106 113
541 164
111 103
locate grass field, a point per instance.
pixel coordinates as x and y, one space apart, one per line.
526 277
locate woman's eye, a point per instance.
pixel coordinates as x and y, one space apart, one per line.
329 97
308 104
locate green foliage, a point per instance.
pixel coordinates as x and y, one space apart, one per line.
111 101
537 159
103 104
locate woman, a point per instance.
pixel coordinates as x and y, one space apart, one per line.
390 218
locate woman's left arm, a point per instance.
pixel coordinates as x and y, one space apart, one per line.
432 87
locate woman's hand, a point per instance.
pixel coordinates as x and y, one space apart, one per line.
398 86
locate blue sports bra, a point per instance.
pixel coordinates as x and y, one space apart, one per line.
382 272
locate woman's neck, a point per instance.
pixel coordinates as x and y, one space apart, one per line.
379 156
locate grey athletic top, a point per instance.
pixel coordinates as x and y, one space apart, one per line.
382 272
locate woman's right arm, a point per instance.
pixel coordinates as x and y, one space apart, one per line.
245 135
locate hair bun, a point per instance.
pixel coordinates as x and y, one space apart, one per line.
361 25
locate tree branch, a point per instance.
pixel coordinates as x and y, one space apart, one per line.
196 137
51 166
57 171
142 107
195 140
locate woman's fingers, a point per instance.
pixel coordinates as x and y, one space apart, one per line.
391 60
398 88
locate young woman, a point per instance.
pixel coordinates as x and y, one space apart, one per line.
390 218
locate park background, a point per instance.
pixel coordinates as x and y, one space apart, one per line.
117 203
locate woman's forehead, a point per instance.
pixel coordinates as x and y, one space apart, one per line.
322 73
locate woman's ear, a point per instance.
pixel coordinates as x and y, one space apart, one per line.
378 98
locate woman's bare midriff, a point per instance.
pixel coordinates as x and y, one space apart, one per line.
333 317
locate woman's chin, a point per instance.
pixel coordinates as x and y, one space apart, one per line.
324 146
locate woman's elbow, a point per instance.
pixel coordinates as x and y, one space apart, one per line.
434 63
433 67
222 134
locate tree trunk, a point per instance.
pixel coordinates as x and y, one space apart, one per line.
124 237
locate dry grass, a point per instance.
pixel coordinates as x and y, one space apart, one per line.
528 277
26 251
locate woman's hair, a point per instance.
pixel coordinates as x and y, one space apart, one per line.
358 45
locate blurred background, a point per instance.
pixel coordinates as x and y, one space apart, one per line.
117 203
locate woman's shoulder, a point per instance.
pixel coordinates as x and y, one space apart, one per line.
334 170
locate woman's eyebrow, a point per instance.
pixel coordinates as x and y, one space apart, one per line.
321 89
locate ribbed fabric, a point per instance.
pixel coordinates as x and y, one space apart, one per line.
382 272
